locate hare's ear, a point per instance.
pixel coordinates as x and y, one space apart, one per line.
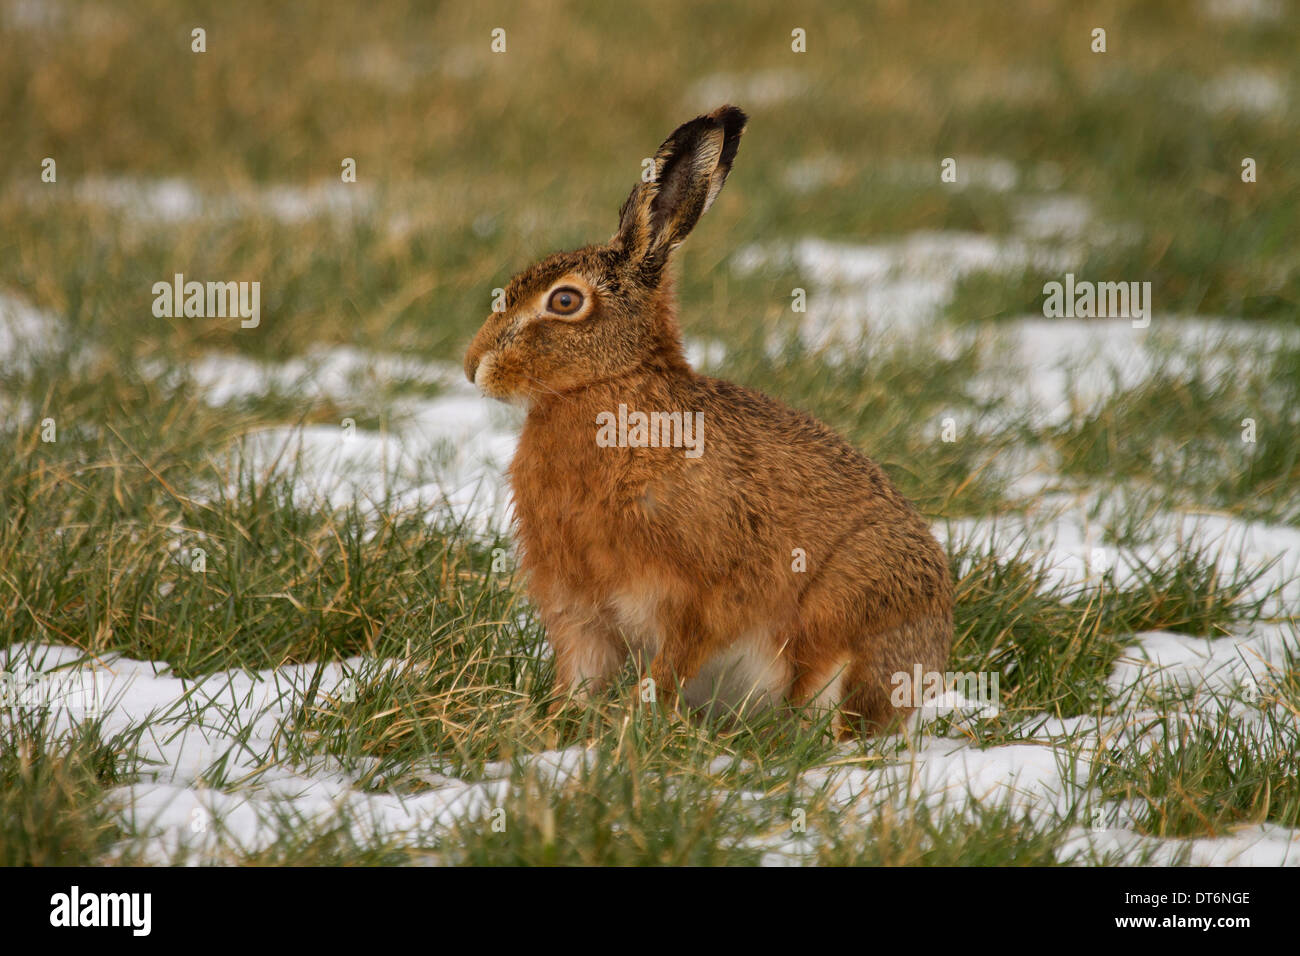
688 172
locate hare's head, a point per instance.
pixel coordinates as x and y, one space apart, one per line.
577 318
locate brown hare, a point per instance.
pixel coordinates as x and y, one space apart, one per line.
742 548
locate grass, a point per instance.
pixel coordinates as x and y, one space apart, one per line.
1054 645
465 174
609 817
1208 775
919 836
52 792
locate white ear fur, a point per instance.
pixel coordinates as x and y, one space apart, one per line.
707 163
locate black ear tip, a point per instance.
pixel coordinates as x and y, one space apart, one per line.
732 118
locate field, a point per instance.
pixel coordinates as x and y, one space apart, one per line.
258 602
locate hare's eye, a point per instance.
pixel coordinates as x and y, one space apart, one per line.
564 301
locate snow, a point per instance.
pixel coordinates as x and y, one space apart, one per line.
450 451
1161 661
1065 533
1053 216
940 772
1265 845
996 173
225 727
1244 91
337 373
757 89
1258 11
875 289
171 200
864 296
1061 368
28 335
26 332
448 457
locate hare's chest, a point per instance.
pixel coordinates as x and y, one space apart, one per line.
556 484
576 511
592 497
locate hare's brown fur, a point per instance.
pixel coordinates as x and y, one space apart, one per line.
693 563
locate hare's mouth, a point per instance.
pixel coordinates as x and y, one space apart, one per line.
485 380
483 375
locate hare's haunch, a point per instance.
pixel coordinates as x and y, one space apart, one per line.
740 549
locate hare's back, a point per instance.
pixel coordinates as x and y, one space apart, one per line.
752 433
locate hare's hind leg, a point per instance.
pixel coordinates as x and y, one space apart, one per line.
859 684
880 691
821 687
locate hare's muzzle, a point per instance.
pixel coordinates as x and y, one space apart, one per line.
478 367
478 351
474 361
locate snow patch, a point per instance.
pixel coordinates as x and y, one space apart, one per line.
172 200
756 89
212 778
1244 91
878 288
1067 534
1243 11
26 332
